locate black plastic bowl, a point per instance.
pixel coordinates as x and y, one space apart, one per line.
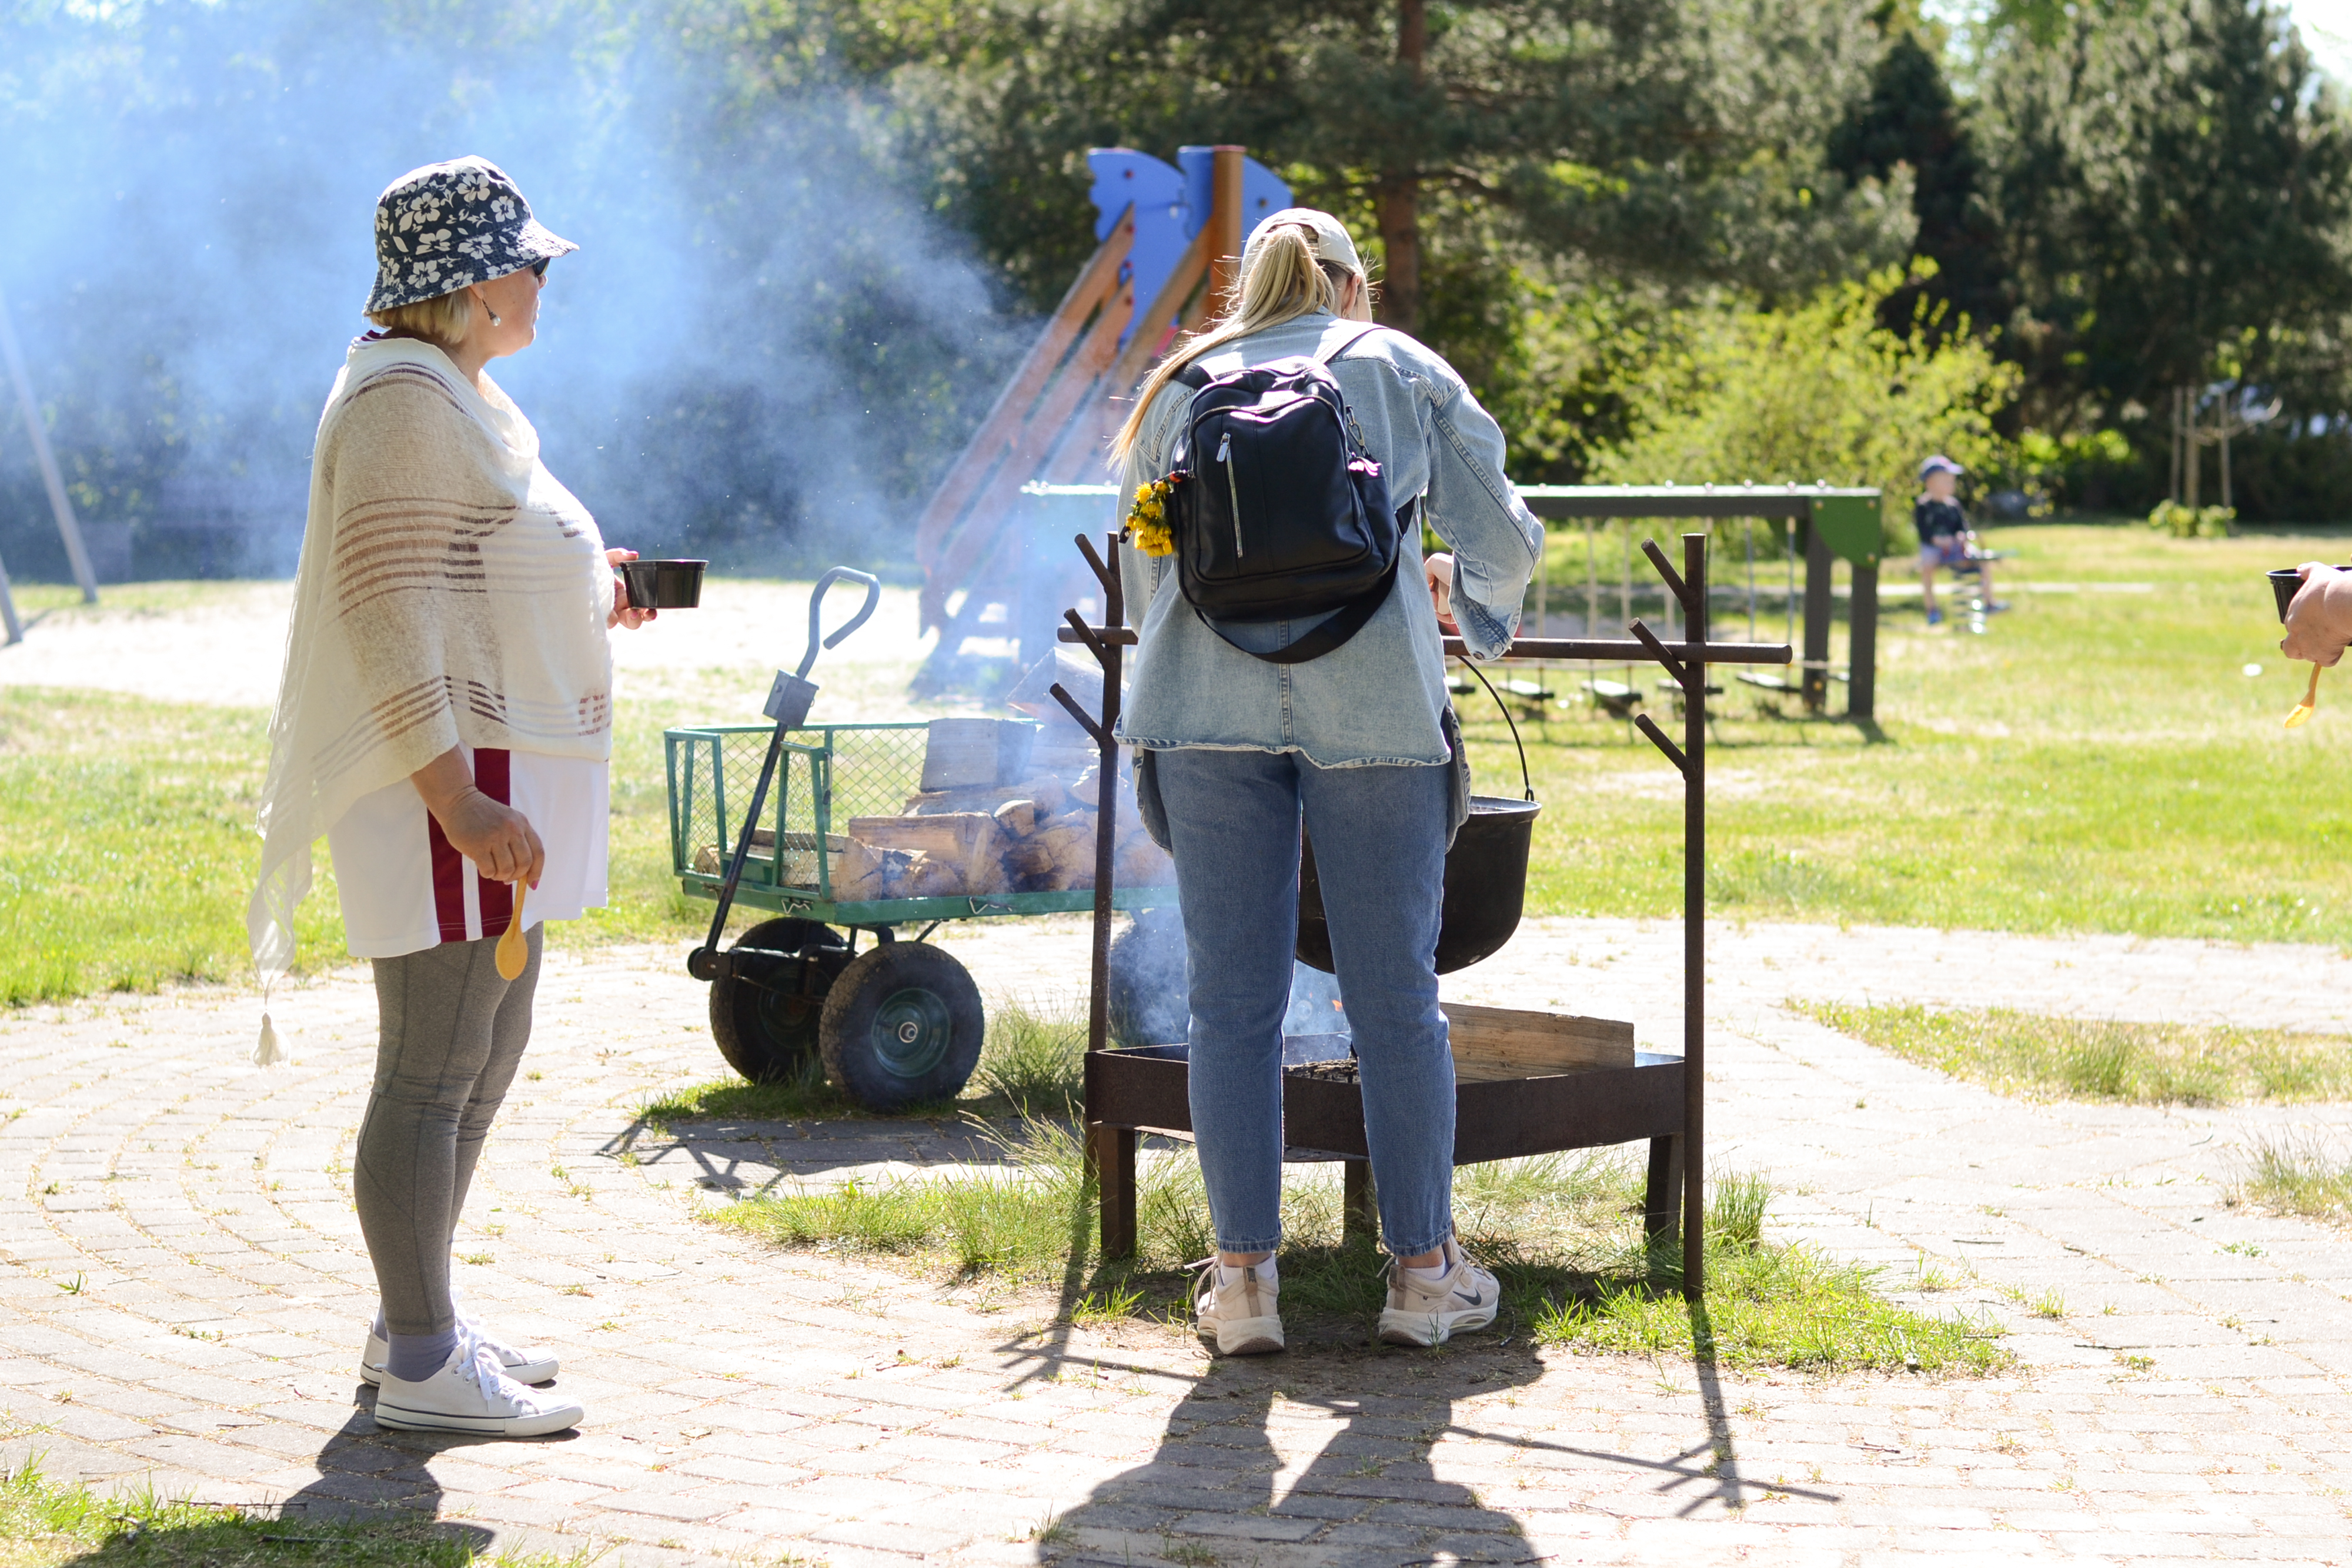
2284 583
1485 888
664 584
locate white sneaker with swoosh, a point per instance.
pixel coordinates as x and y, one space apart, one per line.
1431 1311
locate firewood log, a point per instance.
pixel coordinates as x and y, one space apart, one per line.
971 842
862 873
1142 863
929 877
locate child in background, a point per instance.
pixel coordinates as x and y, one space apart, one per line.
1945 537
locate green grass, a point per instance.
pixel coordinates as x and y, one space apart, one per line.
128 850
46 1524
1562 1233
2040 1056
2299 1174
2096 762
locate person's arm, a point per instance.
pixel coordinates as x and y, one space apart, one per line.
498 839
2319 619
1478 512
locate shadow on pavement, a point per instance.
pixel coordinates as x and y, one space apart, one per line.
1253 1459
365 1469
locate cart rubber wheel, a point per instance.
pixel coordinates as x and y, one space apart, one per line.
1148 1003
903 1024
766 1036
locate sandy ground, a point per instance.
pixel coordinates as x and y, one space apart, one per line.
225 643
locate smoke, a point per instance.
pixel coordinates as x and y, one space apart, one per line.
765 348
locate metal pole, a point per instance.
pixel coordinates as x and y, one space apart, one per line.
62 508
1862 645
1625 593
8 611
1788 589
1543 578
1110 1150
1694 919
1592 593
1750 536
1107 805
1815 680
1591 584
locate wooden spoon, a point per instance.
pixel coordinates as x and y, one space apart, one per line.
2302 713
514 949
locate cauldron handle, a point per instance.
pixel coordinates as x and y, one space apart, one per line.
1526 785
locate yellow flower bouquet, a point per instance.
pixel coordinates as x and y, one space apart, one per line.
1147 520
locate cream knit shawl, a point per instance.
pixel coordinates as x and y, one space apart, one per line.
449 589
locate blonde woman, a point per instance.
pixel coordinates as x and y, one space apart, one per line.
1234 752
445 719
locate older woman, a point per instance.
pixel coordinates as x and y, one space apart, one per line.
445 718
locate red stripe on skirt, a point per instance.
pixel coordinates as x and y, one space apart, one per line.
449 883
491 776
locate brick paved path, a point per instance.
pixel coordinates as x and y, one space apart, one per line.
181 1290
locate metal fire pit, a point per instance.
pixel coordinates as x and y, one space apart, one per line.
1142 1089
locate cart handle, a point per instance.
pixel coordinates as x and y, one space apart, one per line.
816 605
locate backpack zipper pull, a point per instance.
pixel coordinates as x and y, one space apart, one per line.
1233 485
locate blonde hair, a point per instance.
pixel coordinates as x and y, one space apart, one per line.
441 320
1281 281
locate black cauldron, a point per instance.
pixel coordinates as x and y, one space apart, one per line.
1485 887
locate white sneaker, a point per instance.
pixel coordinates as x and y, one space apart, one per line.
1242 1316
1426 1312
524 1364
471 1394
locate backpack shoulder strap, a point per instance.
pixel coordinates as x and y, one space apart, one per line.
1193 376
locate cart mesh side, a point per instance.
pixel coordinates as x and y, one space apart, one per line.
828 774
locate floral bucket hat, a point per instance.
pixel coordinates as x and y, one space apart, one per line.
442 226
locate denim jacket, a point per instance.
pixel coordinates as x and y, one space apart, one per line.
1381 697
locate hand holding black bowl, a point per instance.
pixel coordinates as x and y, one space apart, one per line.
664 584
2286 582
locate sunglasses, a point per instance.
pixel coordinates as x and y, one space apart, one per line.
539 267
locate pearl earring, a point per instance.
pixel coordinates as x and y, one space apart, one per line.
494 317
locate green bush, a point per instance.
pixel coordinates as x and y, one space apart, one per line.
2192 522
1819 392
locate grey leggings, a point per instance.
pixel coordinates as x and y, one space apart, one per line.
453 1032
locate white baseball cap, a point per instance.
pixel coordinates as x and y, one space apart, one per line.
1330 244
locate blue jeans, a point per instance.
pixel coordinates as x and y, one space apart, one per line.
1380 837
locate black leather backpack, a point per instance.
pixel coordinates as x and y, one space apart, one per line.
1279 513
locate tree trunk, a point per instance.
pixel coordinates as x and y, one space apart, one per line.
1398 195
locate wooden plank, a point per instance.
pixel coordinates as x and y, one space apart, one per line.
1144 347
1084 454
999 431
1494 1043
999 499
